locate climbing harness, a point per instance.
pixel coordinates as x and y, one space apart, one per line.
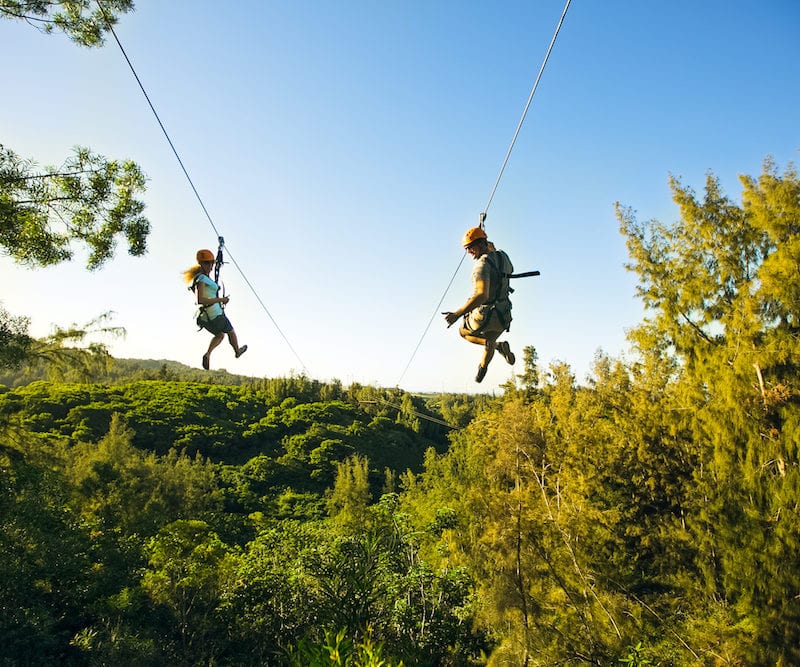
201 316
498 302
219 261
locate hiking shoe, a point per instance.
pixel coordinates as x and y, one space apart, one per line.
505 351
205 361
241 351
481 373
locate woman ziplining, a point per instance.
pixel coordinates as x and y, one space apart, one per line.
211 316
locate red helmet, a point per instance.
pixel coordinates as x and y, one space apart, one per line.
205 256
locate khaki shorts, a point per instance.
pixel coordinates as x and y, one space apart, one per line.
482 322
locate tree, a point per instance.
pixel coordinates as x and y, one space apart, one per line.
536 540
45 576
14 339
721 286
189 571
124 491
529 378
88 199
349 500
77 18
64 353
337 650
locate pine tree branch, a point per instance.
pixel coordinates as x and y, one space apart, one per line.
12 179
698 330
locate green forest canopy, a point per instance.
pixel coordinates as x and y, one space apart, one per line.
647 517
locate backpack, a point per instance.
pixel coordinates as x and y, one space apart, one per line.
501 268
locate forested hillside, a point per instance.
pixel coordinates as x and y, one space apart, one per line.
649 516
116 371
130 504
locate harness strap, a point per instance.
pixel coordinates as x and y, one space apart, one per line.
220 260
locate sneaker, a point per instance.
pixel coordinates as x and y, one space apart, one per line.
205 361
505 351
241 351
481 373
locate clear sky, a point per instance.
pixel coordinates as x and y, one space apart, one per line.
342 149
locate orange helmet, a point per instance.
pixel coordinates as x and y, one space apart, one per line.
473 235
205 256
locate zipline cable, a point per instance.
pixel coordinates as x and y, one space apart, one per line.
419 415
158 119
525 112
110 27
496 184
430 321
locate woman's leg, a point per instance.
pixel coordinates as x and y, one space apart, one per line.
234 341
216 340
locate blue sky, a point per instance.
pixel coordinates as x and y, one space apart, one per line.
343 148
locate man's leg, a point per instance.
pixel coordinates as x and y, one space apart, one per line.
489 342
504 350
489 346
487 337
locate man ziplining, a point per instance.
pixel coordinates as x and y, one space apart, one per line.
487 313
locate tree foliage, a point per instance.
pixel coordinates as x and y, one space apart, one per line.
84 21
652 513
87 200
68 353
649 516
15 342
722 286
